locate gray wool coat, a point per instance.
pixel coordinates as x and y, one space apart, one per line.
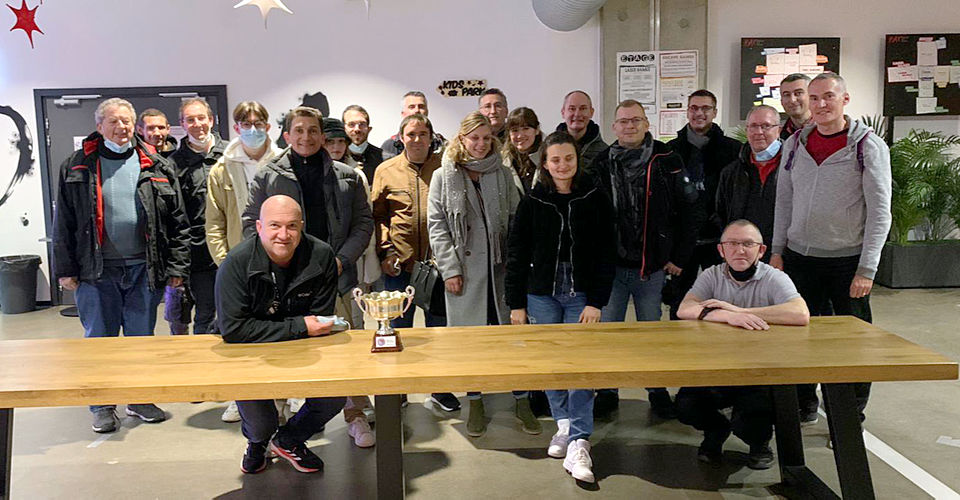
473 261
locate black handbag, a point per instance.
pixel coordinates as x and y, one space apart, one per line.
428 288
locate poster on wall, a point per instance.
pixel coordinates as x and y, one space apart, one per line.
637 79
662 82
922 75
764 62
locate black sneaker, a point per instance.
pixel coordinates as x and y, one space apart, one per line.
255 459
147 412
446 401
299 456
105 420
808 417
711 449
760 457
605 403
662 406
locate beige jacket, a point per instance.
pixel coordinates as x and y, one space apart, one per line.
227 193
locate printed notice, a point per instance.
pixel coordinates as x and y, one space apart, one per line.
775 64
941 75
638 83
678 64
898 74
675 91
926 105
926 88
954 74
926 53
791 63
671 121
808 54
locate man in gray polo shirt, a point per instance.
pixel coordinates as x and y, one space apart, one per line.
743 292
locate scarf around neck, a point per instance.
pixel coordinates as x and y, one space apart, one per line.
454 198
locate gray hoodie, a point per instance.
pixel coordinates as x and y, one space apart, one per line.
835 209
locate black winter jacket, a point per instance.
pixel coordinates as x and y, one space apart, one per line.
718 153
249 306
673 215
193 168
78 221
534 243
740 195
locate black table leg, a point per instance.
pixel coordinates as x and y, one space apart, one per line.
6 451
389 447
793 469
847 434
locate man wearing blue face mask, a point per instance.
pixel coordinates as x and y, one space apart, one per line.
748 186
120 234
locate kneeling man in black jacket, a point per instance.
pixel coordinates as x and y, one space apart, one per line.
269 289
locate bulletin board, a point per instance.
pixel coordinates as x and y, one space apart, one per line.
764 62
922 75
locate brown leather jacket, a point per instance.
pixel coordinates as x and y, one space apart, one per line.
399 197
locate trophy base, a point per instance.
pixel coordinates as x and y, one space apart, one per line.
386 343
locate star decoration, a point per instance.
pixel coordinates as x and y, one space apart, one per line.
265 7
25 20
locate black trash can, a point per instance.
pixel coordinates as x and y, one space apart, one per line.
18 283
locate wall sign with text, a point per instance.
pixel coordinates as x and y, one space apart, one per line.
462 88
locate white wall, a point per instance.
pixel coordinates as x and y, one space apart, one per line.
330 46
861 27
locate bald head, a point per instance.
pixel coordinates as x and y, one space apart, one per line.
280 226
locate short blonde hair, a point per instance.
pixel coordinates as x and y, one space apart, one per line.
456 151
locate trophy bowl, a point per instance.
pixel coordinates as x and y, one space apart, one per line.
383 307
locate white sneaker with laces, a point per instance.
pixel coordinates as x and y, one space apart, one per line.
231 414
360 431
578 462
558 443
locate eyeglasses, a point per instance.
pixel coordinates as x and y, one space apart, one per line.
759 126
359 125
705 109
630 121
249 125
733 245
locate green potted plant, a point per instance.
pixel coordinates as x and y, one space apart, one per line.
926 205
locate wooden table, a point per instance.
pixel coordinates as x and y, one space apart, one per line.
835 351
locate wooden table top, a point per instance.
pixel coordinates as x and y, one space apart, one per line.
66 372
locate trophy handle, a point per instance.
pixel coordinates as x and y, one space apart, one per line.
409 291
357 293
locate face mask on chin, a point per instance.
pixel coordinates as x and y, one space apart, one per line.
744 275
117 148
199 143
358 149
769 153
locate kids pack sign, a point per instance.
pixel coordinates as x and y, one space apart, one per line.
462 88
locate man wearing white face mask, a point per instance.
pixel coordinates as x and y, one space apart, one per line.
197 154
119 236
748 186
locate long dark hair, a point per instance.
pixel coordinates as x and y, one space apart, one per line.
557 138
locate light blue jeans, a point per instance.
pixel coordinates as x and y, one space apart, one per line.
646 295
564 307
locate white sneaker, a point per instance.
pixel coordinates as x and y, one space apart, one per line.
231 414
360 431
558 443
295 404
578 462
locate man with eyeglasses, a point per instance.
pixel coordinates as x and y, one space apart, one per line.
705 150
832 215
657 218
198 152
796 103
743 292
413 103
748 186
356 120
493 105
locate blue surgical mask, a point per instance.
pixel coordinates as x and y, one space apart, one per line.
355 149
116 148
769 153
253 137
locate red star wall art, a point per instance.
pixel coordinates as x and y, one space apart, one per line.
25 20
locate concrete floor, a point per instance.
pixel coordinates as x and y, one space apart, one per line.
195 455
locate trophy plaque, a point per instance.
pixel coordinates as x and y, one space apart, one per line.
383 307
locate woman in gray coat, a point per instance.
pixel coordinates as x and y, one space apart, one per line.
472 201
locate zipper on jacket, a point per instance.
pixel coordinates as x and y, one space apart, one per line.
573 240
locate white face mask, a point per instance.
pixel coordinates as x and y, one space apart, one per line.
355 149
769 153
117 148
198 143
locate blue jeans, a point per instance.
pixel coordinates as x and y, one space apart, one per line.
261 421
646 295
399 282
120 297
573 404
